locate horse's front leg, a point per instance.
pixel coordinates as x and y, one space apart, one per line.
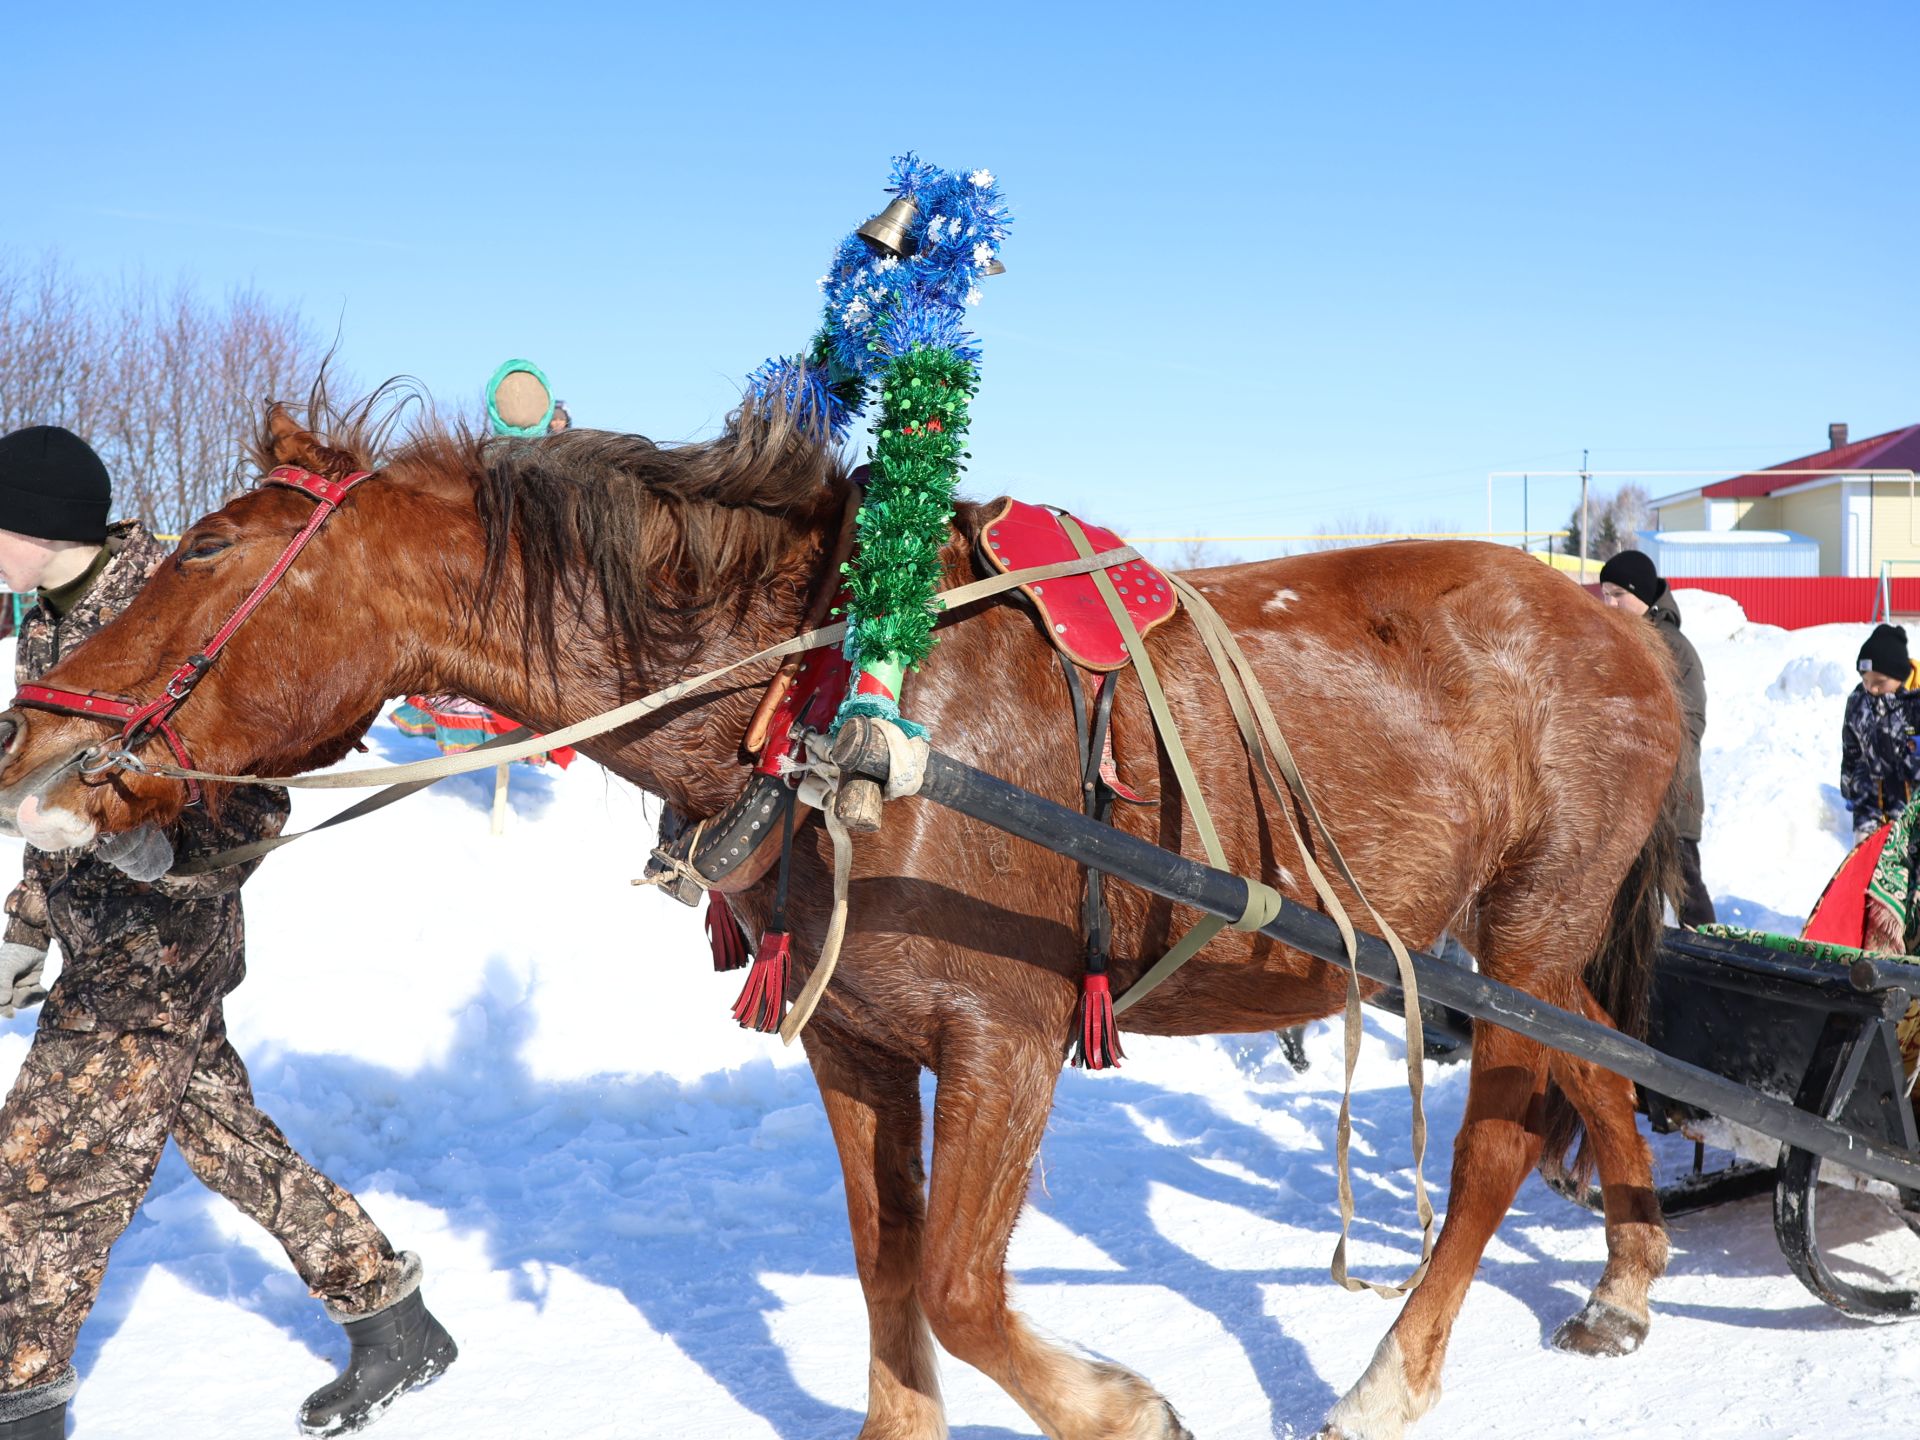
995 1092
873 1103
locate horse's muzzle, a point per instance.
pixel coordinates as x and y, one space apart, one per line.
16 788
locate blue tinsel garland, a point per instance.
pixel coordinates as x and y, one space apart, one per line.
878 307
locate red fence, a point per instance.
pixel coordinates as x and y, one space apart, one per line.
1797 603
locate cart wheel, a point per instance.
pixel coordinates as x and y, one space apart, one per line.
1796 1210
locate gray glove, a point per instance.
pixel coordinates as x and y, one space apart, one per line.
20 986
143 853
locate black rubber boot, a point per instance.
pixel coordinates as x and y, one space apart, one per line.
393 1351
48 1424
38 1412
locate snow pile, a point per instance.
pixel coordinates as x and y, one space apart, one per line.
1776 827
1807 676
632 1216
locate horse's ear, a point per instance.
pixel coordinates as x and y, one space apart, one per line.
294 444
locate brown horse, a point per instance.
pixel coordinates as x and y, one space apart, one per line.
1493 751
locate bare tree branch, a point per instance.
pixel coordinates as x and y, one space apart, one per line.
162 382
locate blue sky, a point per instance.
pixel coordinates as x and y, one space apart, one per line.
1272 265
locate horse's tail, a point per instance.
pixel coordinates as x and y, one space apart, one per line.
1620 975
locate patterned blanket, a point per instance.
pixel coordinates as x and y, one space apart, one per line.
456 724
1866 904
1891 887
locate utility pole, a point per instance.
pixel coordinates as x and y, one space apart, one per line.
1585 527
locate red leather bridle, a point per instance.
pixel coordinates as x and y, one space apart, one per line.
140 722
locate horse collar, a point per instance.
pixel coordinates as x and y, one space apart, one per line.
141 722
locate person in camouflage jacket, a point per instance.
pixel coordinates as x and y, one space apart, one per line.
132 1049
1879 766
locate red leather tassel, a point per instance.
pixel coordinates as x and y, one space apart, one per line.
724 936
1097 1045
763 1000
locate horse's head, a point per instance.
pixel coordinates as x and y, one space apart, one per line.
549 578
295 687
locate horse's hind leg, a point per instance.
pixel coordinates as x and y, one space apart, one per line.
989 1112
873 1103
1498 1143
1614 1321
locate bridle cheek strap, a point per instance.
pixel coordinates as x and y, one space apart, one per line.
141 722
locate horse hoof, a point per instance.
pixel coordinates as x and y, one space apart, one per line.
1601 1329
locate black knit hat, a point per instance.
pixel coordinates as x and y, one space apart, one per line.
1886 652
1633 572
52 486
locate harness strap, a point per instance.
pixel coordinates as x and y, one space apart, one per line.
1263 736
1263 903
442 766
828 586
1205 928
808 1000
87 703
1156 698
142 721
379 800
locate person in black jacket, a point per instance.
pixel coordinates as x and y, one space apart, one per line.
1879 768
1629 582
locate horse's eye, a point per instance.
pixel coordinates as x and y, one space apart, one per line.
206 547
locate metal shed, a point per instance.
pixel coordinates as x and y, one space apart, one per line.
1754 554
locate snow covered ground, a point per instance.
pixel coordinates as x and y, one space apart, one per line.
632 1217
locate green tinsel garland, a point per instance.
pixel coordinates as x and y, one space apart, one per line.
904 521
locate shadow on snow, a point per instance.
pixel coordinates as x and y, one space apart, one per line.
680 1196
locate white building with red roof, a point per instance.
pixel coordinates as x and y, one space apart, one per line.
1856 498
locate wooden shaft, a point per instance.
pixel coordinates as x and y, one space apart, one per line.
1021 813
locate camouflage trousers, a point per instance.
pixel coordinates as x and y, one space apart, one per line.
80 1136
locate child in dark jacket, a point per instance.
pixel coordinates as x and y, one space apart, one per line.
1879 766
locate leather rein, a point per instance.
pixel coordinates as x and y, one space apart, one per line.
140 721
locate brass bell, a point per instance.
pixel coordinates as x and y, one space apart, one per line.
993 267
891 231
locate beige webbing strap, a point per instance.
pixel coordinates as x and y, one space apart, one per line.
1263 903
1207 926
808 999
1243 691
427 771
241 854
1156 698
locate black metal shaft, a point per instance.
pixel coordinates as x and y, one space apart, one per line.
1019 812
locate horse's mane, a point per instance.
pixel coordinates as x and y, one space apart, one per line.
653 538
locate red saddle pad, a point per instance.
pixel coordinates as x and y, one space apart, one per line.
1076 618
